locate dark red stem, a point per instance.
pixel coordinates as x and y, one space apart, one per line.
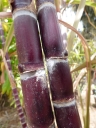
33 78
59 73
14 89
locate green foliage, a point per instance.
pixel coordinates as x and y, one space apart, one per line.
88 2
4 4
6 89
77 53
76 57
12 47
0 44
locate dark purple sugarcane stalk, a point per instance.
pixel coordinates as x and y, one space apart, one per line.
58 69
33 79
12 82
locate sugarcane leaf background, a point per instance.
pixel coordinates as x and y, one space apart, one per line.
88 2
76 59
9 38
88 63
75 24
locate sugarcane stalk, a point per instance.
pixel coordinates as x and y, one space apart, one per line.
88 65
33 78
7 63
58 69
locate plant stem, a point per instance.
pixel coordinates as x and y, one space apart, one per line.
58 69
33 78
7 63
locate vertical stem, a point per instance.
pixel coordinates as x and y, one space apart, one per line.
33 78
58 69
87 120
7 63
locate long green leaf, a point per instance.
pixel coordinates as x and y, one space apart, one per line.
81 66
1 5
88 3
6 86
9 38
75 25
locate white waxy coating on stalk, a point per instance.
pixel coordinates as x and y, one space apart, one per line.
28 75
23 13
39 74
46 4
52 63
64 104
21 2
